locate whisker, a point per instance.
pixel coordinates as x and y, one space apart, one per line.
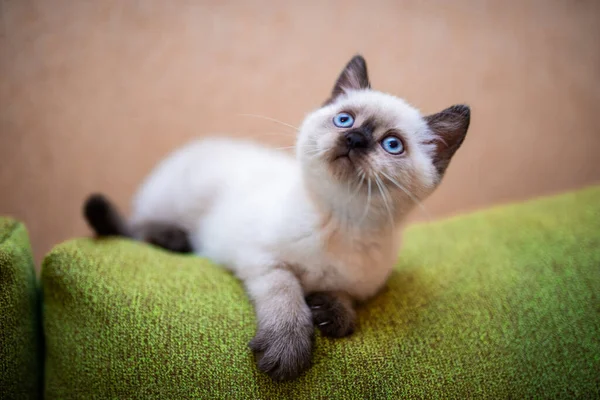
270 119
360 183
409 194
348 190
346 213
309 149
284 148
308 146
313 148
314 154
358 186
380 185
368 205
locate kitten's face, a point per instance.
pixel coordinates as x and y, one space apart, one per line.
363 138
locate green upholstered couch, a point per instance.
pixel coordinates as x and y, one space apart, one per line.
21 351
502 303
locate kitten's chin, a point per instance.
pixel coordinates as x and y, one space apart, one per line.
344 167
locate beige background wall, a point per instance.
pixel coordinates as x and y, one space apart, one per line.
93 93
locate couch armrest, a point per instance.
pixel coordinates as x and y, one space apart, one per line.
501 303
21 358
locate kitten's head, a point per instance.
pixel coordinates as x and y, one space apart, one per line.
377 144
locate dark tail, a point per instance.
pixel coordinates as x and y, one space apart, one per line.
103 217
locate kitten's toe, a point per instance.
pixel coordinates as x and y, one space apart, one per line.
283 355
331 315
259 343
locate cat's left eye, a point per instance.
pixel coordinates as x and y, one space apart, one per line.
343 120
392 145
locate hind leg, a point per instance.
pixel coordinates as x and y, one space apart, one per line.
166 236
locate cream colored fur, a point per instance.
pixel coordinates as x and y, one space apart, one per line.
253 209
311 224
309 234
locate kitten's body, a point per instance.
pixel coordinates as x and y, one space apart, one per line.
247 208
308 235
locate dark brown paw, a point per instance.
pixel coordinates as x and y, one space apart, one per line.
283 354
168 237
333 316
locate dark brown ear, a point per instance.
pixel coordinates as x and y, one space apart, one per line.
450 126
354 76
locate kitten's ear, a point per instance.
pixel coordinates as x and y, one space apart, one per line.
354 76
450 126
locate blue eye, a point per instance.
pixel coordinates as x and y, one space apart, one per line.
392 145
343 120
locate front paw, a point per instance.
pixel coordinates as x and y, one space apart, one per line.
332 315
283 353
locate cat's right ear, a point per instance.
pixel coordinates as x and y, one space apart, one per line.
353 77
450 128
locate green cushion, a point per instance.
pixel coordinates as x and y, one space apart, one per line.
21 359
497 304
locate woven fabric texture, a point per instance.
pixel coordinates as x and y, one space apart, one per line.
501 303
21 358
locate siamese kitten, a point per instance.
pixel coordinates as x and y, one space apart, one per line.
308 235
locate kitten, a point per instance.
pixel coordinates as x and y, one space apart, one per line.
308 235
